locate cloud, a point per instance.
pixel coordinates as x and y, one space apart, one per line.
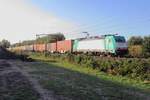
20 20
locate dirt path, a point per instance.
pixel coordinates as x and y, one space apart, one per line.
13 80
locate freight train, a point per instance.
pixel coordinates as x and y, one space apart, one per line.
107 44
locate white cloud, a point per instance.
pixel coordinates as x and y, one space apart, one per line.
20 20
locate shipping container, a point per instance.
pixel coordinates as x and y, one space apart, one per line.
28 48
40 47
20 48
64 46
23 48
89 45
52 47
48 47
107 44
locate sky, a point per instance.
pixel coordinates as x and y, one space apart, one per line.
23 19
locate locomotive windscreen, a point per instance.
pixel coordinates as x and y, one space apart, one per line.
120 39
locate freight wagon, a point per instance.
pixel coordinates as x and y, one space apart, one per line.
19 48
29 47
52 47
64 46
40 47
60 46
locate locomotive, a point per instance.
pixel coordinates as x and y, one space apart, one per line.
107 44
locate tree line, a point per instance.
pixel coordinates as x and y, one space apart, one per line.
139 46
5 43
40 40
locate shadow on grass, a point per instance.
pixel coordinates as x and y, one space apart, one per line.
79 85
5 54
48 61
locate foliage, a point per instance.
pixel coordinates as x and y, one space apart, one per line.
78 82
135 40
29 42
70 81
45 39
137 68
146 44
5 43
139 47
50 38
136 51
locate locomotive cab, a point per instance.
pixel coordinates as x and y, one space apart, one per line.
116 44
121 45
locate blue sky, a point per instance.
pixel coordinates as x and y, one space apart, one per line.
23 19
127 17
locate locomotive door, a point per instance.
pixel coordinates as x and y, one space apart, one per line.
109 45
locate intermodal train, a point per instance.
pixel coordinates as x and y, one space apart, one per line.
106 44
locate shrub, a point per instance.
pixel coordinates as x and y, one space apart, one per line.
136 51
137 68
78 59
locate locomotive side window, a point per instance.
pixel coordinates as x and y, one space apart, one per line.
119 39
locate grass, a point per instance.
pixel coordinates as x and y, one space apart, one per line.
14 86
82 83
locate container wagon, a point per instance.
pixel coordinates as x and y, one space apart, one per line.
19 48
29 47
52 47
40 47
64 46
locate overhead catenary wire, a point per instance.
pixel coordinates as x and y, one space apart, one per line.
116 25
104 26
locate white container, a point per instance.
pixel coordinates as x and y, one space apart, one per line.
91 45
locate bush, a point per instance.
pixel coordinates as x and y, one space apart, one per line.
146 44
136 51
137 68
78 59
139 47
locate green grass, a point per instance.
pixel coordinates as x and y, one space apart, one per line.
82 83
14 86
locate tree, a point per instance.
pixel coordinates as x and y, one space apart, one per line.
146 44
51 38
45 39
135 40
136 50
28 42
5 43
